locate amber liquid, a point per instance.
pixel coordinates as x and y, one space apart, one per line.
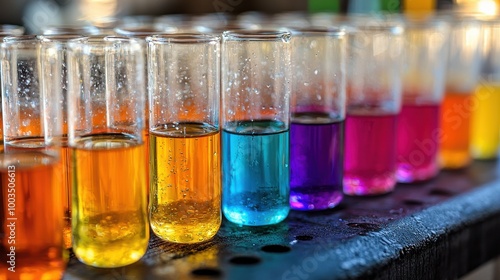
145 137
455 131
109 217
35 208
185 201
419 7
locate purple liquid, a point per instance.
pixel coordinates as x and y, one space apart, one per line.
316 156
370 150
418 141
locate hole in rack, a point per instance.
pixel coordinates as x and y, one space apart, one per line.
207 271
440 192
413 202
276 249
304 237
244 260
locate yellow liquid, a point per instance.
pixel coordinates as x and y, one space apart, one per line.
485 130
145 137
185 200
32 187
109 223
65 169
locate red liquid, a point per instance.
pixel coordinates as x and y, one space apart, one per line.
418 142
370 154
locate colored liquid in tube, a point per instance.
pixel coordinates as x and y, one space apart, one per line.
185 204
316 156
110 224
370 154
256 172
418 142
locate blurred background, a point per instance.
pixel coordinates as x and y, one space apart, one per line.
36 14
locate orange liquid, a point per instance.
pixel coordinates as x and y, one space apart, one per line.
37 215
185 204
109 217
420 6
455 129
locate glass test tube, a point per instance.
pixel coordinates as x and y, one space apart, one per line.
425 57
105 124
485 123
373 105
53 60
462 75
141 32
255 122
32 205
5 31
185 199
317 120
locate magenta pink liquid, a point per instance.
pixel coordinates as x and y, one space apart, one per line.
418 130
370 154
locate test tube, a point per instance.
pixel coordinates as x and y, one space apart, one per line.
256 125
317 118
462 75
53 60
105 125
485 124
425 60
141 32
185 199
32 222
373 104
5 31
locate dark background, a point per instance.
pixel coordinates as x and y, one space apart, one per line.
19 11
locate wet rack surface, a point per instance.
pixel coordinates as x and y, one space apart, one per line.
438 230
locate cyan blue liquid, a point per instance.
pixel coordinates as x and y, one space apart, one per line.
255 172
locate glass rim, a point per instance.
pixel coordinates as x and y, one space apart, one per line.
20 39
183 38
71 29
256 35
103 41
59 38
394 29
314 31
142 31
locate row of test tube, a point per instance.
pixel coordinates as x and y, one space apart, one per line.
249 123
